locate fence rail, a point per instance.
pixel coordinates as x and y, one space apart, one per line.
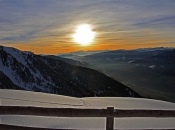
110 113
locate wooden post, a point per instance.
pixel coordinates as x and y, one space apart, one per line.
110 120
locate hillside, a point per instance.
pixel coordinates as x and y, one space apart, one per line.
25 70
69 61
148 71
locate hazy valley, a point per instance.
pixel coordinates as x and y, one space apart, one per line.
148 71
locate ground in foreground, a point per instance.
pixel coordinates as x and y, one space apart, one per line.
24 98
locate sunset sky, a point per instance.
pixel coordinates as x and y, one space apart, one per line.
47 26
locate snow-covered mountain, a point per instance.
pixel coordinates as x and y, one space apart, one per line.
154 49
25 70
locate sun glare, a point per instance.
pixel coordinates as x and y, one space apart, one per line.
84 34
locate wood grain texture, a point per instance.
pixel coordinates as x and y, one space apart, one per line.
78 112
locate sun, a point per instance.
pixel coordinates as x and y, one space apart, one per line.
84 34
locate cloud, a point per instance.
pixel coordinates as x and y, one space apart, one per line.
157 23
55 20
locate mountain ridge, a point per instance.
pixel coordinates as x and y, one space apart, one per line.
38 73
148 71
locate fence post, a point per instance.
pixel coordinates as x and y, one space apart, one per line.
110 120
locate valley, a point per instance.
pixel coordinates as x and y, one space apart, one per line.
150 71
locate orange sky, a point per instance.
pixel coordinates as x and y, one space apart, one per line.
43 46
47 28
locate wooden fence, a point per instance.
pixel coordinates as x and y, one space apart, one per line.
110 113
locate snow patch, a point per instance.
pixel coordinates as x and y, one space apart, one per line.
18 55
21 57
152 66
131 61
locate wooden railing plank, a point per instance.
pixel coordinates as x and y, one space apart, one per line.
77 112
110 120
148 129
110 113
15 127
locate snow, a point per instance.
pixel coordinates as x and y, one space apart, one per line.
152 49
130 61
24 98
8 72
16 79
21 57
152 66
28 52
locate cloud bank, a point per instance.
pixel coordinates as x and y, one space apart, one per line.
119 23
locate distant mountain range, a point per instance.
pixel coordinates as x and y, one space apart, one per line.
50 74
148 71
74 55
124 55
69 61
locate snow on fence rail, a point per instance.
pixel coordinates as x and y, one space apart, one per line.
110 113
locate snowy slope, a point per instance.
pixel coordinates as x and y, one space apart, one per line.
18 97
13 61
